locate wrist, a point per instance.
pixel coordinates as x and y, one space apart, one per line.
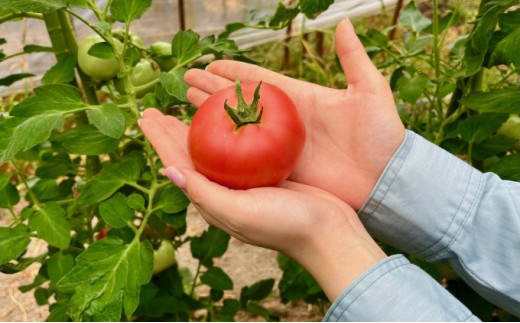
337 256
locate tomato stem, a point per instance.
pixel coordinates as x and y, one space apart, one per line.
245 113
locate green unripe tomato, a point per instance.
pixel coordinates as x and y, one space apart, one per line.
100 69
132 37
511 129
163 257
162 54
144 72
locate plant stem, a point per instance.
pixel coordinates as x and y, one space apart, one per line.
16 15
195 279
11 56
35 200
105 10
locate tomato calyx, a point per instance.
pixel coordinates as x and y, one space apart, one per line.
245 113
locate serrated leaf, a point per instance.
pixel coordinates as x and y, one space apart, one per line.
509 21
58 313
413 18
281 17
492 146
86 140
502 100
129 10
63 72
217 279
109 119
56 165
478 127
186 46
312 8
46 190
296 283
32 132
58 265
107 278
33 5
111 178
174 84
212 243
50 224
115 212
172 200
49 98
10 79
13 242
417 45
101 50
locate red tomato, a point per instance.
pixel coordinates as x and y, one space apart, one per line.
261 152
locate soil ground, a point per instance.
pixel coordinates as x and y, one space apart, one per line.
245 264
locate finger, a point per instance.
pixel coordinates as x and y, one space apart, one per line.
197 96
356 64
170 152
152 113
206 81
174 127
248 72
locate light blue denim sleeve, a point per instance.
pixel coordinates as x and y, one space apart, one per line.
432 204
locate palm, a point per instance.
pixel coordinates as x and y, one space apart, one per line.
351 134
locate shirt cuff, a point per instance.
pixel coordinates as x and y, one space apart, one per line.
422 200
395 290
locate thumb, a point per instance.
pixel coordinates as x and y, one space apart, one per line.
356 64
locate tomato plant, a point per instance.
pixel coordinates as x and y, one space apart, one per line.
144 72
250 145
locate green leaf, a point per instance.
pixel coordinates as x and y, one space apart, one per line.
478 127
13 242
172 200
136 202
63 72
230 307
506 51
58 265
212 243
492 146
109 119
296 282
111 178
33 5
49 98
312 8
217 279
101 50
174 84
129 10
50 225
280 19
413 18
509 21
9 195
508 168
86 140
10 79
46 190
107 278
58 313
115 212
41 295
186 46
411 89
53 166
258 291
32 132
417 45
503 100
258 309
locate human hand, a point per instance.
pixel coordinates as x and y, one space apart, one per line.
312 226
351 133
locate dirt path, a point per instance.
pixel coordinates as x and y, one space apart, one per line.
245 264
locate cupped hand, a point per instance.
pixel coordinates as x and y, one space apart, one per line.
351 133
312 226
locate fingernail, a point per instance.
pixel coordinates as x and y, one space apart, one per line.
139 122
176 177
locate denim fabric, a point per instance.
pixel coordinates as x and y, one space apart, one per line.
432 204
